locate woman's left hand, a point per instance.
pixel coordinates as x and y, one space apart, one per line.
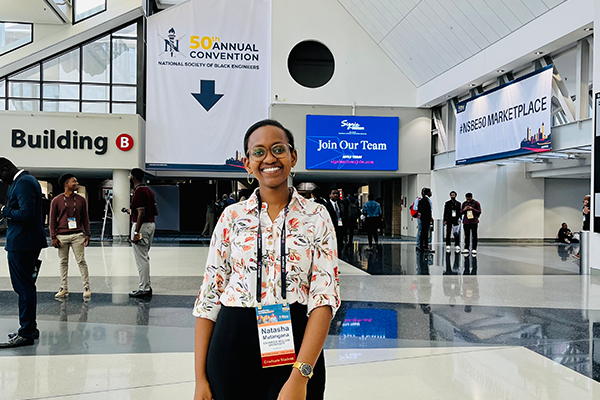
294 389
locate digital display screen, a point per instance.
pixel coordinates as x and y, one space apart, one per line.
352 143
370 323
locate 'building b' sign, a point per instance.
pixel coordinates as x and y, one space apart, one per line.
124 142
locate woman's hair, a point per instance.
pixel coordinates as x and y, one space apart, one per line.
267 122
456 194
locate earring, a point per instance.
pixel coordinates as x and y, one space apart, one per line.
250 182
293 173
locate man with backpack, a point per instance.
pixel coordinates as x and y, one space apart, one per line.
372 212
452 212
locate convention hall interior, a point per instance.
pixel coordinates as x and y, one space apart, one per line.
403 103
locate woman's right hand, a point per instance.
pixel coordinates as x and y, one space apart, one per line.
202 390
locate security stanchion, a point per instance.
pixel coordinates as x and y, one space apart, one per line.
584 253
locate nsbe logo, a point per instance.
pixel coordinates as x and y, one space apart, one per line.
352 126
171 43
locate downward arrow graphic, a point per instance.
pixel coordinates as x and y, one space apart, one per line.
207 97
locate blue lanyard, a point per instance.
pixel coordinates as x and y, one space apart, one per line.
259 263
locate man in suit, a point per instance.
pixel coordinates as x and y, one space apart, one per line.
337 211
25 239
425 216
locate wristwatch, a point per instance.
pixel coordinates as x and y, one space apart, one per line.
305 369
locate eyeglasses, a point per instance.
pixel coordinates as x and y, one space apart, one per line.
279 150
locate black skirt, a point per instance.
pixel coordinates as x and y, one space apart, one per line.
234 368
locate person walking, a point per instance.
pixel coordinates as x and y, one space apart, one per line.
426 218
414 213
280 258
25 239
353 214
317 196
470 211
452 213
70 229
230 200
336 210
212 209
143 211
372 212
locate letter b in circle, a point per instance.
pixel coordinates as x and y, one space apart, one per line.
124 142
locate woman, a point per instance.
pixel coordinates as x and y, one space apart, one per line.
227 352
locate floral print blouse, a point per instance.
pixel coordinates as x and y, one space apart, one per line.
312 270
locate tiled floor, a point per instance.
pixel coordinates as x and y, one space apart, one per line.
516 322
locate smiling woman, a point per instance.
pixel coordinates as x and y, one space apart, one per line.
290 241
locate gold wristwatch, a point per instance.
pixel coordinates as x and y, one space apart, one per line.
305 369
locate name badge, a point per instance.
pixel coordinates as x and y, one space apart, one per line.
340 222
453 213
275 335
470 214
72 223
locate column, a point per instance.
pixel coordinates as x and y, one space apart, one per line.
121 199
595 189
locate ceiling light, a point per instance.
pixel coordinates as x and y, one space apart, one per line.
500 71
448 96
588 29
539 53
473 84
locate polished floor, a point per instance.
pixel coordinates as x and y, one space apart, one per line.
515 322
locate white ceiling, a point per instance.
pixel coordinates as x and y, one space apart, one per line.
34 11
425 38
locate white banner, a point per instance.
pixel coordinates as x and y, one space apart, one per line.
208 81
510 121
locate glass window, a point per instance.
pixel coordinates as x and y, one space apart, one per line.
96 61
61 106
129 31
124 93
14 35
83 9
23 105
124 56
124 108
24 89
61 91
95 92
2 88
31 74
63 68
62 6
94 107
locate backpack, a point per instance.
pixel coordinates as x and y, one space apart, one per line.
352 212
414 211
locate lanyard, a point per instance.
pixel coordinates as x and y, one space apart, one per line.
74 205
259 263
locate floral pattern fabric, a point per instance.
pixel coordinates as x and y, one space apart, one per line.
231 271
